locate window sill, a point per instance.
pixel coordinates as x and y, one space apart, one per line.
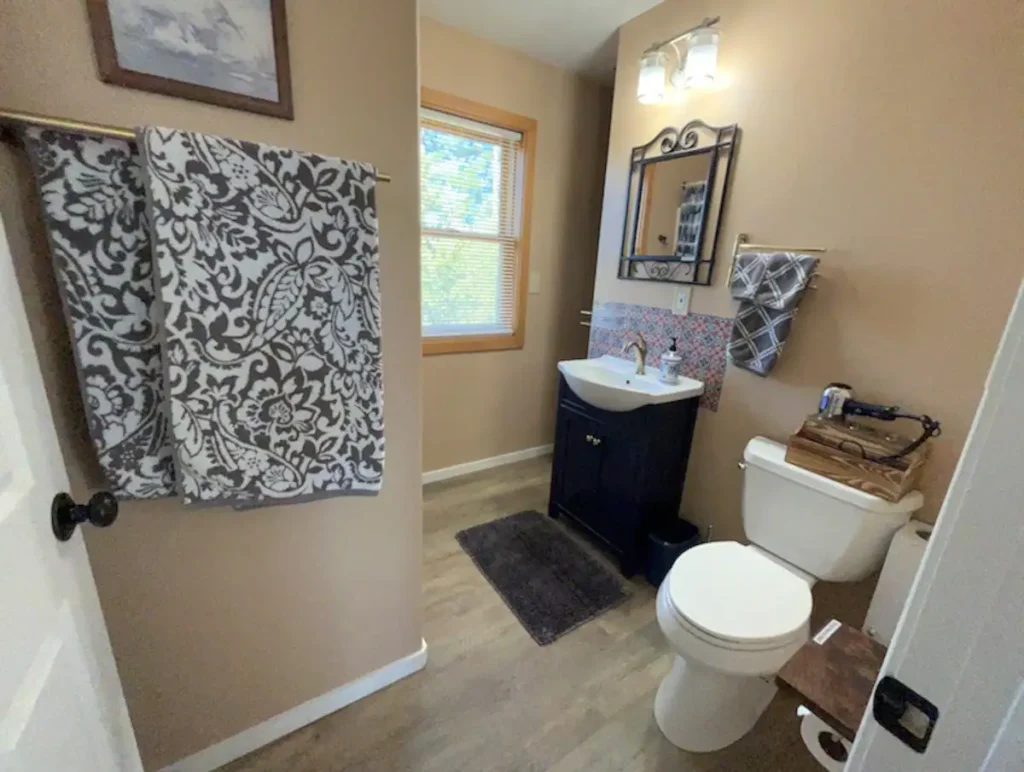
469 344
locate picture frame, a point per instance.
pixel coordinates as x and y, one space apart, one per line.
229 53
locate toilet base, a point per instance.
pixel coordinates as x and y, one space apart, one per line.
702 710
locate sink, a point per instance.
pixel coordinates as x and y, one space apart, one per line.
612 384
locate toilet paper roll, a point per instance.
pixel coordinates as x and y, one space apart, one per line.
901 563
825 745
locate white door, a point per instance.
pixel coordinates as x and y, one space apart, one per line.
61 706
960 641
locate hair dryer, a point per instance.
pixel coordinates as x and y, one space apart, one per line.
837 402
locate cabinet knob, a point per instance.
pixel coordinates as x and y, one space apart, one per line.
595 441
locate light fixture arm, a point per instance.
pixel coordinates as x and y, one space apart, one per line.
705 24
679 54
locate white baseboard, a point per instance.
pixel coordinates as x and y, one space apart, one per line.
274 728
485 463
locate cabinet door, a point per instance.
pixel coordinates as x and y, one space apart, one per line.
622 497
580 460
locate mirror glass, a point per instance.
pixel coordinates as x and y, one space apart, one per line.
673 197
678 184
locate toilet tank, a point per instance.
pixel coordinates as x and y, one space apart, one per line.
830 530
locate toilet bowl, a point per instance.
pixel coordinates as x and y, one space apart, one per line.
734 614
731 634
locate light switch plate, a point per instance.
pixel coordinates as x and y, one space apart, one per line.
534 282
682 305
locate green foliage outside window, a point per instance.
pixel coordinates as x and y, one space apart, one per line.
460 179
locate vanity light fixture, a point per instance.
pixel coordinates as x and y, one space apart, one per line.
701 63
696 68
650 89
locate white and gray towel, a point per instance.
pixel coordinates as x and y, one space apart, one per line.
769 287
268 272
252 374
94 207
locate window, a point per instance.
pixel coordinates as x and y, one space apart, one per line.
476 173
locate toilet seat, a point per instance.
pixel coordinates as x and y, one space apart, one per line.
731 597
727 645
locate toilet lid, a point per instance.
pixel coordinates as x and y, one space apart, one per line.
736 594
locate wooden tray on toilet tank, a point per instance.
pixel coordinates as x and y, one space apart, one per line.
841 451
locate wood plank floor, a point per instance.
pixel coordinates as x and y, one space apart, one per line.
491 699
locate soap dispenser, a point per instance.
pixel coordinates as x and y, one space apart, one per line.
671 364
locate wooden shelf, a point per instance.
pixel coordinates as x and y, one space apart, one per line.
835 678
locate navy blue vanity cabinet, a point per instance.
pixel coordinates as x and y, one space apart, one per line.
618 474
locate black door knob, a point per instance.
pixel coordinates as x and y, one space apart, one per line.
65 514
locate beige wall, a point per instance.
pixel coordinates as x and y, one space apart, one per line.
220 620
889 132
485 404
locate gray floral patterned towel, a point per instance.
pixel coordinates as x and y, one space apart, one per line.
268 273
94 206
769 287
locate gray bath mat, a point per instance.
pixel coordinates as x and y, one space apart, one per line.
544 576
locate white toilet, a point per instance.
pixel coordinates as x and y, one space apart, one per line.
734 614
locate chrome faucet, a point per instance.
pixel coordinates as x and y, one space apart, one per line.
639 347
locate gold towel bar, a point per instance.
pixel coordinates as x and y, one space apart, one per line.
15 118
742 244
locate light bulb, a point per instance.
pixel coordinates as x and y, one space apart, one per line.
651 84
701 63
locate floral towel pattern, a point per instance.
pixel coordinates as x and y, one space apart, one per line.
94 206
701 340
268 272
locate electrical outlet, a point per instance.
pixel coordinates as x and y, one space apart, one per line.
682 305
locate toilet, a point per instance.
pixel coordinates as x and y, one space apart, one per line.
735 613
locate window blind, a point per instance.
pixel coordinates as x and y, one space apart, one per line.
470 215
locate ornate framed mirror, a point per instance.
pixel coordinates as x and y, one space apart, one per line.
678 187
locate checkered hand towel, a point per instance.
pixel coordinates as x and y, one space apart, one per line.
769 287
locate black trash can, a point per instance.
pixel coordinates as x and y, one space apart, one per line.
666 542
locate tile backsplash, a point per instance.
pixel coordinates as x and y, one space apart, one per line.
701 340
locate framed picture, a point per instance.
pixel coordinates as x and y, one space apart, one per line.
232 53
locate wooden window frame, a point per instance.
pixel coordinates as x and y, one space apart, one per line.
442 102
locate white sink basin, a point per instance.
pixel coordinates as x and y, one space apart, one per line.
611 383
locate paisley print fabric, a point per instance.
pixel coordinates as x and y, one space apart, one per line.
94 206
268 274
